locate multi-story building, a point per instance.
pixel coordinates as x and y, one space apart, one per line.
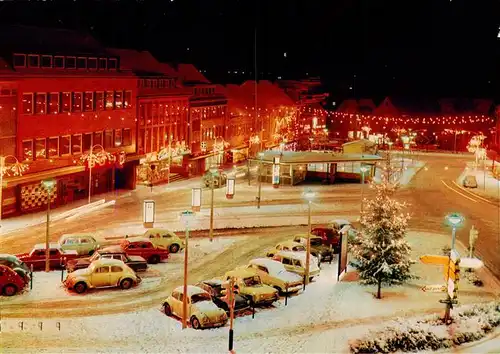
162 116
207 120
62 95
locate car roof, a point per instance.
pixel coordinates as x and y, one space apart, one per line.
292 254
158 230
41 246
7 256
212 282
191 290
290 243
269 263
108 262
340 221
65 236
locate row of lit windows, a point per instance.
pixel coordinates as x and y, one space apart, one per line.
157 83
48 148
204 90
209 112
155 114
65 102
64 62
212 133
155 138
242 129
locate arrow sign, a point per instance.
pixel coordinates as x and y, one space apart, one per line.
434 288
435 259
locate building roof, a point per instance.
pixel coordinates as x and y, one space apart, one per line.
364 142
29 39
268 94
189 74
304 157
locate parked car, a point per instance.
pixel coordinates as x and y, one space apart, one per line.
83 244
10 281
296 262
144 248
329 237
57 256
273 273
470 181
202 312
102 273
219 179
137 263
16 265
215 288
166 239
251 287
344 226
318 249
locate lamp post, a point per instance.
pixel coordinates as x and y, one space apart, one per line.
310 143
363 170
390 145
15 169
186 218
261 156
213 170
92 159
309 196
454 220
49 185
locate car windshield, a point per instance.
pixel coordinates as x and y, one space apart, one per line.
200 297
316 242
252 281
95 256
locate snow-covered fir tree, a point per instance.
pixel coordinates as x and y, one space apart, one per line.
381 253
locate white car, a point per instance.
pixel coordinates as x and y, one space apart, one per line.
296 262
202 312
274 273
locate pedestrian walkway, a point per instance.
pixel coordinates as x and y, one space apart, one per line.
487 185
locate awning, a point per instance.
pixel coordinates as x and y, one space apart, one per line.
38 176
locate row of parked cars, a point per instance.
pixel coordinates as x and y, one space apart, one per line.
77 252
261 282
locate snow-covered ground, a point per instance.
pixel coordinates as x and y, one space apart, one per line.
487 185
321 319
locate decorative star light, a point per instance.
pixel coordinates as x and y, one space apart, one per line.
92 158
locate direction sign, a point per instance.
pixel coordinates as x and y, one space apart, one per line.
451 288
434 288
434 259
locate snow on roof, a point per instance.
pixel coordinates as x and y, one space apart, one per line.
273 266
292 254
191 290
41 246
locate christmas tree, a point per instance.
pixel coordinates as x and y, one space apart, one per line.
382 255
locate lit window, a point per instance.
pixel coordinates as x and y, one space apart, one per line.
77 102
65 143
126 137
109 99
53 106
112 64
87 141
98 138
76 144
108 139
118 137
27 103
41 103
118 99
81 63
53 147
28 150
66 102
99 101
88 101
127 101
103 63
40 149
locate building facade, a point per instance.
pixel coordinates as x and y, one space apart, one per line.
58 105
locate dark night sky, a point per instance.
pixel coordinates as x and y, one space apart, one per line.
421 48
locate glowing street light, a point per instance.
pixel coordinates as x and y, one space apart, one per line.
309 195
454 220
15 169
92 159
49 185
261 156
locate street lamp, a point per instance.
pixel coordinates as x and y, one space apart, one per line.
363 170
309 196
92 159
311 139
454 220
390 145
213 169
186 218
15 169
49 185
261 156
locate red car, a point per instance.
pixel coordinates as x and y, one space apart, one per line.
57 256
10 282
144 248
329 236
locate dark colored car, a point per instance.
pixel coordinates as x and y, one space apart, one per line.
318 249
329 237
57 256
137 263
146 249
214 288
16 265
10 282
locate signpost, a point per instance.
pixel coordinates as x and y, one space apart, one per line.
230 187
342 268
148 213
437 288
276 172
196 199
